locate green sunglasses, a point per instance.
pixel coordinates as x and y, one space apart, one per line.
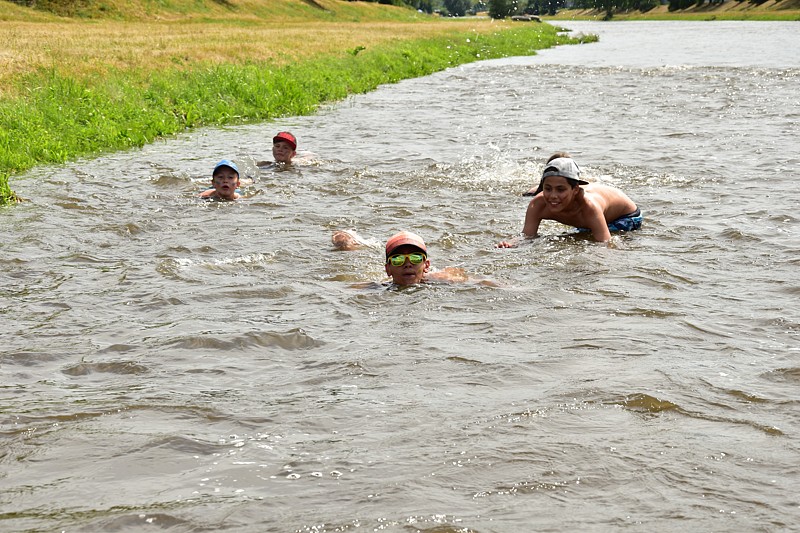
400 259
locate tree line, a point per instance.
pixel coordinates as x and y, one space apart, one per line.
500 9
496 8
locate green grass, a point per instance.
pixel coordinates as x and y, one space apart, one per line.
60 118
7 196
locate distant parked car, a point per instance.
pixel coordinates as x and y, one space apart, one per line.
526 18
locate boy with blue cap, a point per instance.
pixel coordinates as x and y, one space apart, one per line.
564 197
224 182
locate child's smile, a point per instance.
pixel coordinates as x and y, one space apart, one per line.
557 192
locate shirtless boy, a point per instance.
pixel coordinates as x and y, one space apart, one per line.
224 182
564 197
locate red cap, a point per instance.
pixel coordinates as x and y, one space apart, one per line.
404 237
287 137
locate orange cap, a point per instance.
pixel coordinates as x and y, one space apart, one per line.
404 237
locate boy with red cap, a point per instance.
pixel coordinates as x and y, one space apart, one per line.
284 148
564 197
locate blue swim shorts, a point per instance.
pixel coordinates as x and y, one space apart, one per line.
628 222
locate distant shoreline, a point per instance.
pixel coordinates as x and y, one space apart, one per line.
771 10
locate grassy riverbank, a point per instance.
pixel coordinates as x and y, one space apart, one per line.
771 10
72 87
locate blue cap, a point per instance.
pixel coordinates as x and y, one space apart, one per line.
226 163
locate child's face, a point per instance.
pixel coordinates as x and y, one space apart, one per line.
558 193
407 273
282 151
225 181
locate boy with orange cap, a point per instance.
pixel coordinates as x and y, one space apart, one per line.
407 260
407 263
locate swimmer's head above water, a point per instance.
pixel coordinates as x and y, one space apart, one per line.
224 181
407 260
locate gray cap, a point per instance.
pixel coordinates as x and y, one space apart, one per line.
564 167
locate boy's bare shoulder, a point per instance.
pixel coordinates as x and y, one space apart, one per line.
610 195
537 203
606 191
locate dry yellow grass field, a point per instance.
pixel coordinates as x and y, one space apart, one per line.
146 46
90 47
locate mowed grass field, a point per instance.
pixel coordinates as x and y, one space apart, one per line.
110 75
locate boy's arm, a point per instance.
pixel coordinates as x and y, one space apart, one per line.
533 217
597 223
449 274
347 240
458 275
208 193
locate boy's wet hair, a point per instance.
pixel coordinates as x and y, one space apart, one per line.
558 155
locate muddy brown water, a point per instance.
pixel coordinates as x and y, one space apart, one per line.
174 365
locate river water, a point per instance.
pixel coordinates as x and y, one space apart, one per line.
174 365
